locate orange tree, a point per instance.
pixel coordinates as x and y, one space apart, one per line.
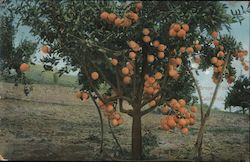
142 50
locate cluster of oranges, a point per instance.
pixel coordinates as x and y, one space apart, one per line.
110 113
24 67
215 35
83 95
240 55
172 67
127 72
151 87
178 30
129 18
179 116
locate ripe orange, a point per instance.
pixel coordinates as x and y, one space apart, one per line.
127 80
85 96
161 55
125 71
126 22
133 16
158 75
216 42
130 66
193 109
45 49
172 33
177 27
104 15
185 27
171 123
181 110
111 17
24 67
214 60
94 75
156 43
182 102
181 33
172 73
189 50
150 58
191 121
133 44
220 54
146 31
182 49
151 80
150 90
146 39
214 34
184 131
115 122
165 109
109 108
178 61
197 47
161 47
114 62
118 21
182 122
132 55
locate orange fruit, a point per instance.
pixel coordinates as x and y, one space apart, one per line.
216 42
85 96
133 44
115 122
185 27
126 22
111 17
118 21
127 80
189 50
220 54
158 75
132 55
182 49
165 109
176 27
191 121
181 110
114 62
151 80
109 108
146 31
150 58
182 102
156 43
171 123
149 90
214 60
182 122
184 131
172 33
130 66
133 16
24 67
45 49
104 15
161 55
178 61
172 73
146 39
161 47
181 33
193 109
125 71
120 121
197 47
214 34
94 75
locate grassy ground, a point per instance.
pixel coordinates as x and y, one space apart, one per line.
37 131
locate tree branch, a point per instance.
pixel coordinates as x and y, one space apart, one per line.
129 112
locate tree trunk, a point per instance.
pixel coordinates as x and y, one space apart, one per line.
243 109
136 137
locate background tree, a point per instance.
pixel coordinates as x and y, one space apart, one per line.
139 49
239 94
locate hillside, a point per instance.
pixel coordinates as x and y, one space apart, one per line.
63 131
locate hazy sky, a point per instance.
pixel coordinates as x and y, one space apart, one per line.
240 32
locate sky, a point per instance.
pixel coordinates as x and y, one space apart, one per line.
240 32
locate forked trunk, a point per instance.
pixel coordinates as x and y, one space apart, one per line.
136 137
